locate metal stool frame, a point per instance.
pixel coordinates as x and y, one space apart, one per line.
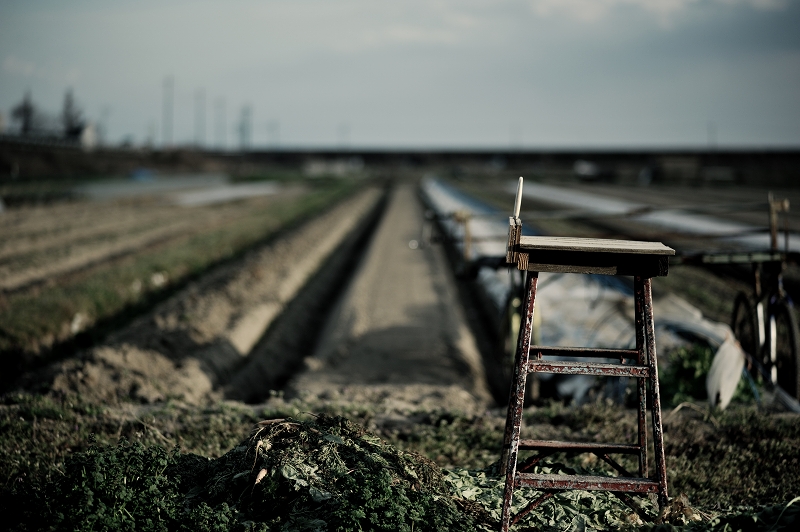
642 260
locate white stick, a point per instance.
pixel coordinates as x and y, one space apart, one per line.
518 200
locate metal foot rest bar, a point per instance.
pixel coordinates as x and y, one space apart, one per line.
642 260
586 482
578 447
540 351
588 368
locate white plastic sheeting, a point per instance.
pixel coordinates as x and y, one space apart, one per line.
674 220
585 310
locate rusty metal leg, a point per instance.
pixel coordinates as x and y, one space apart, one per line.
516 399
532 506
534 460
641 384
613 463
658 432
633 506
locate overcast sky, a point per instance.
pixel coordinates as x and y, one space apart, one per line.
427 73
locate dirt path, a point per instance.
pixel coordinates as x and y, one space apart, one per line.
192 343
399 333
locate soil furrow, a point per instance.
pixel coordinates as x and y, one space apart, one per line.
399 330
189 345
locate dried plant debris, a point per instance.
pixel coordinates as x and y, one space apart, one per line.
679 516
329 474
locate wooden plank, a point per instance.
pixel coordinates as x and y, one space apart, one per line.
569 268
572 261
596 245
514 234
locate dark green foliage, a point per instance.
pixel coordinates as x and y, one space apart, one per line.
123 488
742 458
328 475
452 439
685 378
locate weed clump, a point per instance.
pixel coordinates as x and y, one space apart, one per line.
124 487
326 474
329 474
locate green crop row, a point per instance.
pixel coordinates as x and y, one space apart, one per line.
32 321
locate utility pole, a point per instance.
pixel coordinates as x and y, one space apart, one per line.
515 137
220 125
150 136
274 132
712 135
245 127
166 119
199 118
103 132
344 136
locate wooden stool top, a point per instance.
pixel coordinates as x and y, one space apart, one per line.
583 255
591 255
592 245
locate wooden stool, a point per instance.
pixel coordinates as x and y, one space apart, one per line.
642 260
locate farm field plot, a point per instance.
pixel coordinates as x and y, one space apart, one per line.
77 268
44 241
188 394
201 343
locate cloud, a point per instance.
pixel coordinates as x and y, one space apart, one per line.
20 67
663 10
27 69
450 30
354 26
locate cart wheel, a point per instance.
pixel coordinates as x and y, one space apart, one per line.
745 326
787 345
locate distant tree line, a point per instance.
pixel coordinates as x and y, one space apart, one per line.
32 121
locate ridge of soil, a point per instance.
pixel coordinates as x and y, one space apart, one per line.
192 343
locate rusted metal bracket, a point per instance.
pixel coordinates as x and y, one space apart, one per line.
514 234
515 229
